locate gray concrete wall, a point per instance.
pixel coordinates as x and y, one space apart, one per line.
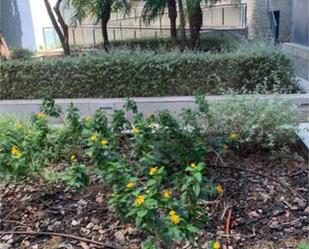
24 108
285 24
16 24
300 58
258 20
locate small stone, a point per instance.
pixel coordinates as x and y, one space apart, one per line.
5 246
254 214
278 212
301 203
119 236
95 220
275 225
82 202
7 237
74 223
90 225
306 211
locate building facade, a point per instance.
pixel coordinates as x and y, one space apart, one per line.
25 23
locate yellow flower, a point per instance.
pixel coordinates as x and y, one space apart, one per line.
174 217
18 126
153 170
104 142
193 165
93 137
130 185
216 245
172 212
16 152
166 194
233 136
219 189
139 200
42 115
136 130
73 158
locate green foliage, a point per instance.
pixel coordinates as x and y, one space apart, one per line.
303 245
270 124
155 166
144 73
20 54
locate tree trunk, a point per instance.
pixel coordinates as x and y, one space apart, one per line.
105 36
182 24
195 22
172 14
62 30
104 19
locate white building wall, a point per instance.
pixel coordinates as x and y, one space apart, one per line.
41 20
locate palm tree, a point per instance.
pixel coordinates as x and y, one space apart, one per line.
182 24
100 10
155 8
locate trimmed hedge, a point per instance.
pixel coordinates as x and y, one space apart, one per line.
209 42
144 73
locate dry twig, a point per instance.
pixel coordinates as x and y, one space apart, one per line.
33 233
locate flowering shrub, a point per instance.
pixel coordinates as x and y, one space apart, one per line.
256 122
154 165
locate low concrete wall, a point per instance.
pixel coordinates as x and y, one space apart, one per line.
24 108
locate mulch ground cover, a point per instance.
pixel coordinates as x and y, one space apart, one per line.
264 205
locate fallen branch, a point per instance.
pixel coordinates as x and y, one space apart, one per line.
228 226
238 235
33 233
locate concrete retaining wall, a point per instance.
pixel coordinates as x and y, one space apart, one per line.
24 108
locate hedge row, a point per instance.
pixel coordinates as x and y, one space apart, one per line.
129 73
209 42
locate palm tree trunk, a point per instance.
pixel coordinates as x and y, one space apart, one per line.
182 24
104 19
195 22
172 14
105 35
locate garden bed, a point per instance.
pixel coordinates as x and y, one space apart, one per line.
220 175
264 214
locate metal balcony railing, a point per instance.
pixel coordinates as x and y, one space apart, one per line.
222 17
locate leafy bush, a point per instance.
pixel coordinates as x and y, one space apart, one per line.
20 53
270 124
136 73
303 245
209 42
154 166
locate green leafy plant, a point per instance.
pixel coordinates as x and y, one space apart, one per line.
147 73
20 54
256 121
303 245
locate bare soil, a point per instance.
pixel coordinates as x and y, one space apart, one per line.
253 212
